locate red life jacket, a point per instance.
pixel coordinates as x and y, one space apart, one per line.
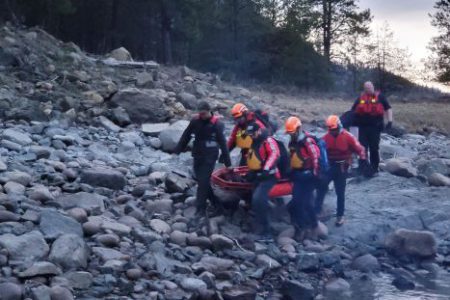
213 119
370 105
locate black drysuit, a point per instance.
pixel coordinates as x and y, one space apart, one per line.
208 139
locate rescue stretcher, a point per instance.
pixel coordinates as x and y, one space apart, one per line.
223 181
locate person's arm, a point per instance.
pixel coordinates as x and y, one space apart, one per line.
354 105
273 153
356 146
223 144
185 138
387 109
232 139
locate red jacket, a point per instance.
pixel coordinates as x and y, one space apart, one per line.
308 151
250 118
343 146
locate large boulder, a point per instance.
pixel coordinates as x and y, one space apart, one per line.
121 54
53 224
108 178
412 243
143 105
28 247
10 291
70 252
154 129
188 100
400 167
170 136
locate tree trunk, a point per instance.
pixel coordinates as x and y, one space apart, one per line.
166 26
327 15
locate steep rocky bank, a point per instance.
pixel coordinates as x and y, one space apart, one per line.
91 206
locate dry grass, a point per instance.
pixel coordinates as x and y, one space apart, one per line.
414 116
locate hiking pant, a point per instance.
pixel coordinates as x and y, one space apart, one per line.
337 174
369 137
260 202
203 168
302 207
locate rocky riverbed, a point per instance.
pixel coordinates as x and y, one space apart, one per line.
94 206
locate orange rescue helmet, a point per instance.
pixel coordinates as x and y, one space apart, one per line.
292 124
238 110
333 122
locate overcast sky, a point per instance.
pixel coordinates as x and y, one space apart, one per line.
408 19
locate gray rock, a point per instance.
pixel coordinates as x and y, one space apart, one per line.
366 263
202 242
160 206
121 54
11 145
78 214
403 283
266 261
155 143
160 226
19 177
120 116
221 242
108 240
28 247
10 291
54 224
41 194
337 286
400 167
108 124
69 251
412 243
213 264
3 166
7 216
143 105
61 293
308 262
134 274
144 80
79 280
108 254
154 129
436 165
240 293
170 136
179 237
294 289
188 100
437 179
193 285
177 184
14 188
42 268
17 137
92 203
41 292
108 178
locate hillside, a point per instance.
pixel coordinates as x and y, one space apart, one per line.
94 206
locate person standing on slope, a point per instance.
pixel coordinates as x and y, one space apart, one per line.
369 112
208 132
341 145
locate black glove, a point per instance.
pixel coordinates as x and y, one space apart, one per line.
250 177
388 126
221 159
263 175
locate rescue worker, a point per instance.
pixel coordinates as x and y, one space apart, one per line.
304 154
262 160
239 137
209 138
369 112
341 145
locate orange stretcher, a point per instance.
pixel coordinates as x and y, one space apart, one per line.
221 179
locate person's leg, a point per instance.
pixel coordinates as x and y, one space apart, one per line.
340 182
321 191
203 170
308 203
374 147
260 203
364 139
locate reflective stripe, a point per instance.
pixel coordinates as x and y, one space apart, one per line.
271 160
211 144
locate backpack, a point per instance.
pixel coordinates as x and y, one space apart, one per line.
347 119
324 164
270 124
283 163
